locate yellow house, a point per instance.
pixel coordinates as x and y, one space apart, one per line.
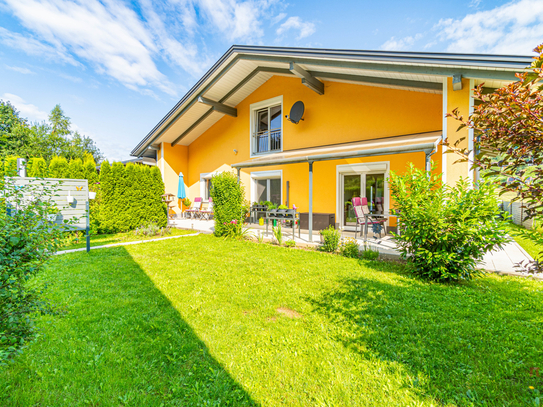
365 113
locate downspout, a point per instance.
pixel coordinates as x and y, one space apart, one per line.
429 158
239 169
310 215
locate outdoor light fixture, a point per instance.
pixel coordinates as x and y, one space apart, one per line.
235 151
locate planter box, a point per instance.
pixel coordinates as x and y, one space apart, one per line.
320 220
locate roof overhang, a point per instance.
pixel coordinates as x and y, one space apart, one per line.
413 143
242 69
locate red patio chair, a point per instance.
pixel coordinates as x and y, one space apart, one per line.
207 213
366 218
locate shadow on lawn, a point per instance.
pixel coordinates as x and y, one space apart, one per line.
472 344
121 342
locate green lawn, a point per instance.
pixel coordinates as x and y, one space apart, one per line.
99 240
525 239
202 321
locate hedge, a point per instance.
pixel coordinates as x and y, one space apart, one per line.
228 201
126 197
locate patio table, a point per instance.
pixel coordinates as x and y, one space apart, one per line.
293 218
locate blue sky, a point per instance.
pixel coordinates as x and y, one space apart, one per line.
117 67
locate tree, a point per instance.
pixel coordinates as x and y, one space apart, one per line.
76 169
60 123
14 131
36 167
508 125
228 201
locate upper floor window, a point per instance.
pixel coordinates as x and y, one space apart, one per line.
267 123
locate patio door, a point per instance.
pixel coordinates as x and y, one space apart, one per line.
370 185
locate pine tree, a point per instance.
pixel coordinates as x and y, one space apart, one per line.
119 204
76 169
90 173
58 168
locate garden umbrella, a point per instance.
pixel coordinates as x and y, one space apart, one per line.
181 194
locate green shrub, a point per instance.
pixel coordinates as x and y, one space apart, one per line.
76 170
290 243
10 167
27 240
152 229
367 253
58 168
445 231
349 248
282 207
331 238
228 204
37 167
187 202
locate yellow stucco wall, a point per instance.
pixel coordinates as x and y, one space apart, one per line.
456 99
345 113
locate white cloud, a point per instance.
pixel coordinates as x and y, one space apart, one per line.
24 71
295 23
26 110
34 47
400 44
514 28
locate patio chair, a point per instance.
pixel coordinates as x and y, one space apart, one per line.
366 218
207 213
194 209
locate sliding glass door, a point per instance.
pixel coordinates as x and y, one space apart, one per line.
368 185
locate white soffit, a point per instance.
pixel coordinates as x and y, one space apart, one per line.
201 128
234 76
184 122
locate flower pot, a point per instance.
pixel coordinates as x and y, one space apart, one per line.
92 195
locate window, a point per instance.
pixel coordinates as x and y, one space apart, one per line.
266 126
208 186
267 186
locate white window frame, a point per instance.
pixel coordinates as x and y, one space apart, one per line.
278 100
256 175
204 176
378 167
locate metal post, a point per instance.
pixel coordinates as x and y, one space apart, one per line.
88 227
310 216
239 169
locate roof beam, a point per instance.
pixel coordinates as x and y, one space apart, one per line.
307 79
219 107
243 82
192 127
373 80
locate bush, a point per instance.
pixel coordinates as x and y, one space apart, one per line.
27 240
37 167
152 229
290 243
58 168
76 170
367 253
331 238
349 248
445 231
228 204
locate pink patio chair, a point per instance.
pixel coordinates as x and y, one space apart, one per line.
194 210
366 218
207 213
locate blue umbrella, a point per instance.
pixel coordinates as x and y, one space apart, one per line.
181 194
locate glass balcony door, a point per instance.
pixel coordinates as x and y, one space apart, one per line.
368 185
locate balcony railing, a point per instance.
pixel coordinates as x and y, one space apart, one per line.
267 141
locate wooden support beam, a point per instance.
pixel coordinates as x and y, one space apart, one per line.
219 107
307 79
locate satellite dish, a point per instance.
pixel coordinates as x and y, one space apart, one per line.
296 112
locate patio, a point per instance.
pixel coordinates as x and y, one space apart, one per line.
502 261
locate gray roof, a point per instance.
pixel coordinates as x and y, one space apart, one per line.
498 67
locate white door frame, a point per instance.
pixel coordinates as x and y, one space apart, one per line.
361 169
